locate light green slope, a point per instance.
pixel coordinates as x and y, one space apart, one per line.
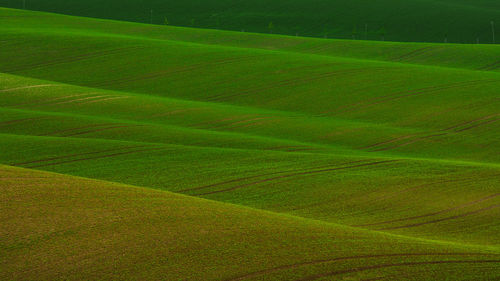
75 228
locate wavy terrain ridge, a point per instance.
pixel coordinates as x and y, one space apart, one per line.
258 157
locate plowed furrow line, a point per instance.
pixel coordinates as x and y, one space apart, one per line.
74 129
5 123
398 95
446 132
414 188
462 206
47 101
27 87
101 100
267 174
216 122
490 66
472 121
387 265
241 122
413 53
174 112
254 124
73 155
96 157
389 141
329 260
294 175
80 99
478 125
294 82
444 219
409 142
100 130
72 59
154 75
419 93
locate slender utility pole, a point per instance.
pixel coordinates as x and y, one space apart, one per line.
151 16
24 4
366 31
493 30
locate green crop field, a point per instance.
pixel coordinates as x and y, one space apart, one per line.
133 151
463 21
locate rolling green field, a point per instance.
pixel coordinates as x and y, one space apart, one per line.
458 21
133 152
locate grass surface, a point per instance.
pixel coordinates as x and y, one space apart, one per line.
75 228
384 152
463 21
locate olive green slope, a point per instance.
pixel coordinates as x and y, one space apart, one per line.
57 227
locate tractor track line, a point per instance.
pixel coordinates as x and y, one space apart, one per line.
218 121
73 59
398 95
328 260
389 141
294 81
45 102
74 129
157 74
268 174
296 174
414 53
409 142
101 100
74 155
490 66
446 130
387 265
22 120
478 125
81 99
461 206
462 180
97 157
444 219
472 121
28 87
430 91
100 130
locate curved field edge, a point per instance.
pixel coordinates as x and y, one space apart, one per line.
412 20
73 228
469 56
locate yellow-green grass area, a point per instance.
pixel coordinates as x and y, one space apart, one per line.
404 153
59 227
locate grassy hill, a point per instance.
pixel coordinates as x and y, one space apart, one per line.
76 228
395 144
463 21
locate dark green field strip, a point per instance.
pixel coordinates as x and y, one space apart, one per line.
426 21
